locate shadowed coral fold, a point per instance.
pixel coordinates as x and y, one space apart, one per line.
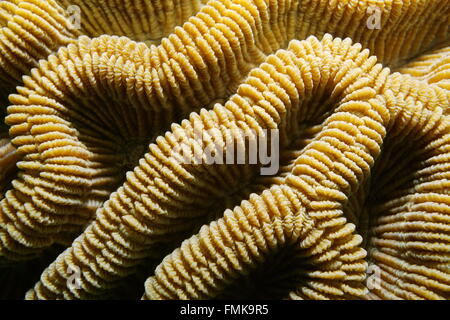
140 20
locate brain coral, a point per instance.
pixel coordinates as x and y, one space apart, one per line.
33 29
363 182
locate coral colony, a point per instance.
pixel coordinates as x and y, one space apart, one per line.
290 149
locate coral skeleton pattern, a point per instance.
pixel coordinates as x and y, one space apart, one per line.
225 149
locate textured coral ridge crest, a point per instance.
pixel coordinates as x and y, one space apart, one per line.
33 29
364 176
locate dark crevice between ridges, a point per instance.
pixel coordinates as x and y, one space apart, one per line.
17 279
282 271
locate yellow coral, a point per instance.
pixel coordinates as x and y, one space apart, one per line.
196 64
163 198
87 113
411 253
33 29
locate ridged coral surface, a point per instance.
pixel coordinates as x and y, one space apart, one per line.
100 117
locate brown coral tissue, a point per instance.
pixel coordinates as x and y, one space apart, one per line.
116 176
